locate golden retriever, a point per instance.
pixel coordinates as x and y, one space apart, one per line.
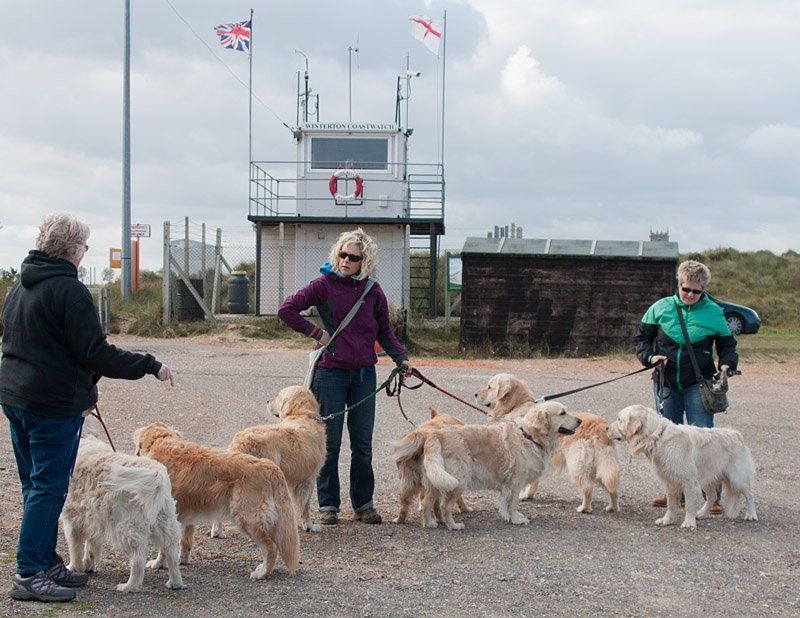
408 457
589 456
210 484
296 445
498 457
125 500
689 459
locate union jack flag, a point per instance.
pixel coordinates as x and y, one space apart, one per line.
235 36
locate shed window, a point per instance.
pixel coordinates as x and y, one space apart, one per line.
330 153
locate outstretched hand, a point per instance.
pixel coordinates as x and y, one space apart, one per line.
165 374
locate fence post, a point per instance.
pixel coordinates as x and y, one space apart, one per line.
166 292
281 250
203 264
216 302
447 292
186 246
407 271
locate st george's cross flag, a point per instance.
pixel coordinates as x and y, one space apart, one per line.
235 36
427 30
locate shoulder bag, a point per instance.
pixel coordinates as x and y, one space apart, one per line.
714 393
315 355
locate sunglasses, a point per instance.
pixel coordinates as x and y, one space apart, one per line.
690 291
349 256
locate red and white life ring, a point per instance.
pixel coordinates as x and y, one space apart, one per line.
347 174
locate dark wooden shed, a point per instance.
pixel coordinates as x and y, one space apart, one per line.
584 296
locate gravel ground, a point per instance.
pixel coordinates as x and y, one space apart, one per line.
604 564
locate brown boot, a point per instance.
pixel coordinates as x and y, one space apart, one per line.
662 501
716 508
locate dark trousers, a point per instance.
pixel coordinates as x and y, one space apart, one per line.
336 389
45 450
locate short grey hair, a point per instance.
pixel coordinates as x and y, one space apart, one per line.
63 236
369 251
694 271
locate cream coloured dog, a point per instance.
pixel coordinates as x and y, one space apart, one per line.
687 459
589 456
296 445
408 457
209 484
498 457
126 501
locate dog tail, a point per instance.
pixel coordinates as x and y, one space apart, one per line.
434 466
285 529
607 465
150 487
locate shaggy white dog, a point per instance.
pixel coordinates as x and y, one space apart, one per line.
124 500
687 459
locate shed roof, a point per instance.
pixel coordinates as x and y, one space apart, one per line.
572 247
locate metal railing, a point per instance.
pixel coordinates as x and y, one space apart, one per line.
274 193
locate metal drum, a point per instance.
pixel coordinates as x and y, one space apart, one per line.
238 292
188 308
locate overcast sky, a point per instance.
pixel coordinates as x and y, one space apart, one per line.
572 119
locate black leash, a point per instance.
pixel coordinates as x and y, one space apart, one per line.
583 388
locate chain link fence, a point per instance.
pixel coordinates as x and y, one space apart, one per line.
212 272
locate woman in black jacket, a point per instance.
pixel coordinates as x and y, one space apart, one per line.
53 353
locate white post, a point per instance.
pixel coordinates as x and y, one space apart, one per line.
166 291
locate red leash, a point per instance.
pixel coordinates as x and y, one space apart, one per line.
417 374
96 414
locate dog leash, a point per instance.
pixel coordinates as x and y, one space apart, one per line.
96 414
417 374
583 388
394 391
383 385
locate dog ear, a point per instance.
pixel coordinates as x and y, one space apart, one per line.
433 412
632 424
538 420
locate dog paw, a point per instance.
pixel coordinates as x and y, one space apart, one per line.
664 521
752 517
456 526
611 508
260 572
691 525
154 564
432 524
584 509
126 588
174 586
520 520
313 527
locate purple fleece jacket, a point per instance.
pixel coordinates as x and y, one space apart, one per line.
334 296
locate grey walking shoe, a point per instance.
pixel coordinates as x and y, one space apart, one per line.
39 587
329 518
62 576
368 516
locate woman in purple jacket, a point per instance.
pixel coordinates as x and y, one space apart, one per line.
345 373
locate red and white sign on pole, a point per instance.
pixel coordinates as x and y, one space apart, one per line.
140 230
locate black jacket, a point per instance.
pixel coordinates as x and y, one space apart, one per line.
54 350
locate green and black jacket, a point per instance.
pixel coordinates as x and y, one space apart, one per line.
660 333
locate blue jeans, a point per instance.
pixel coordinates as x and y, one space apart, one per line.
45 449
335 389
687 400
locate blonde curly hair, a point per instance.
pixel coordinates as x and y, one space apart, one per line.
694 271
369 251
62 236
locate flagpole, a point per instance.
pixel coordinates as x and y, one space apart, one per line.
250 110
444 64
